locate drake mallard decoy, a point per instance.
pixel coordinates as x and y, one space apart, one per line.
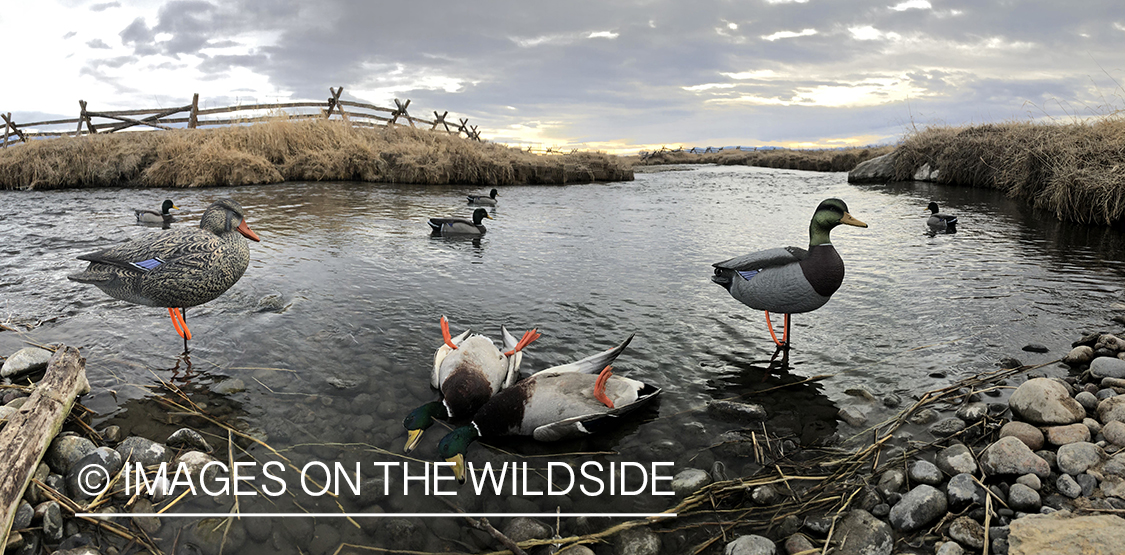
555 404
940 222
486 200
445 227
154 217
790 280
468 370
176 269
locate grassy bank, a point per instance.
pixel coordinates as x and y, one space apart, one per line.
309 150
841 160
1076 171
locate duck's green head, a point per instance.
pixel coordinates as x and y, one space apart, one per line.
492 193
418 420
933 208
453 446
480 214
168 205
831 213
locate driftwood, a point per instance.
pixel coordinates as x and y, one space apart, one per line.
28 433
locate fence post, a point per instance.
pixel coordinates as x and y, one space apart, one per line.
400 110
7 117
440 119
193 118
84 117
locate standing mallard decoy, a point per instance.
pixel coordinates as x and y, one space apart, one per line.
489 200
154 217
447 227
941 222
554 404
468 370
790 280
176 269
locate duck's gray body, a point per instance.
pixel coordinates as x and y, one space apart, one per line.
156 216
484 200
786 280
471 374
180 268
940 222
448 227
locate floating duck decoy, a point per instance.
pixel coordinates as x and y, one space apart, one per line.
154 217
449 227
554 404
484 200
790 280
468 370
940 222
177 269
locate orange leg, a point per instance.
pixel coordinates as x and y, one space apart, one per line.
769 324
179 323
445 333
599 387
528 337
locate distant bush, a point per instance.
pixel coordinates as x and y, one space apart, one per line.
821 160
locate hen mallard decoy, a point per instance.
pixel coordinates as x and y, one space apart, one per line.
485 200
554 404
446 227
468 370
154 217
790 280
176 269
940 222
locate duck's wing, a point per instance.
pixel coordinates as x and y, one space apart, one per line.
750 264
453 225
514 359
439 356
591 364
627 394
156 249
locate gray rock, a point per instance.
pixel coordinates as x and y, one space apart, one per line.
1072 433
1030 435
1107 367
947 427
187 437
229 386
690 480
923 417
956 459
863 534
950 548
1076 458
876 170
750 545
1030 480
637 541
111 434
1104 394
1114 432
522 529
1064 533
925 472
972 412
798 543
195 462
891 482
963 491
1088 483
27 359
95 470
1115 465
1079 355
1067 486
52 522
732 411
1045 401
1093 425
24 512
1023 498
1009 455
968 532
853 415
919 507
766 495
150 524
145 451
1087 400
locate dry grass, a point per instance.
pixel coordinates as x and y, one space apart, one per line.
1075 170
308 150
841 160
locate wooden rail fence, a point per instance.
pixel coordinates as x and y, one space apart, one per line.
354 113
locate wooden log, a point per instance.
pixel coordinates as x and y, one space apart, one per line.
194 116
334 103
143 111
367 106
51 122
150 121
400 110
8 120
28 433
226 109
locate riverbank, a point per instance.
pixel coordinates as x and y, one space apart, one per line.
283 150
831 160
1075 171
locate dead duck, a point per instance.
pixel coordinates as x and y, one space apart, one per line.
176 269
558 403
940 222
450 227
468 370
790 280
154 217
484 200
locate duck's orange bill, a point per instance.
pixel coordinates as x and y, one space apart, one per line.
445 333
179 323
528 337
599 386
249 233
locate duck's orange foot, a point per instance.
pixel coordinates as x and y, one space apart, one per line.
528 337
179 323
445 333
599 387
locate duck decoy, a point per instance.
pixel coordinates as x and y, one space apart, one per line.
468 370
554 404
449 227
790 280
484 200
177 269
940 222
154 217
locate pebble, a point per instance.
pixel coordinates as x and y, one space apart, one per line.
522 529
1079 355
732 411
766 495
1045 401
1030 480
1075 458
891 482
956 459
962 491
950 548
27 359
1062 435
925 472
689 480
1028 434
1034 348
854 416
973 412
967 532
187 437
1107 367
1088 483
642 541
1111 408
1088 400
750 545
862 533
798 543
919 507
947 427
65 450
1067 486
140 450
1023 498
1009 455
22 519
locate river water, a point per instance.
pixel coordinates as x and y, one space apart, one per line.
327 340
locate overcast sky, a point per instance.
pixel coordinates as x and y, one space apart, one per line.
605 74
